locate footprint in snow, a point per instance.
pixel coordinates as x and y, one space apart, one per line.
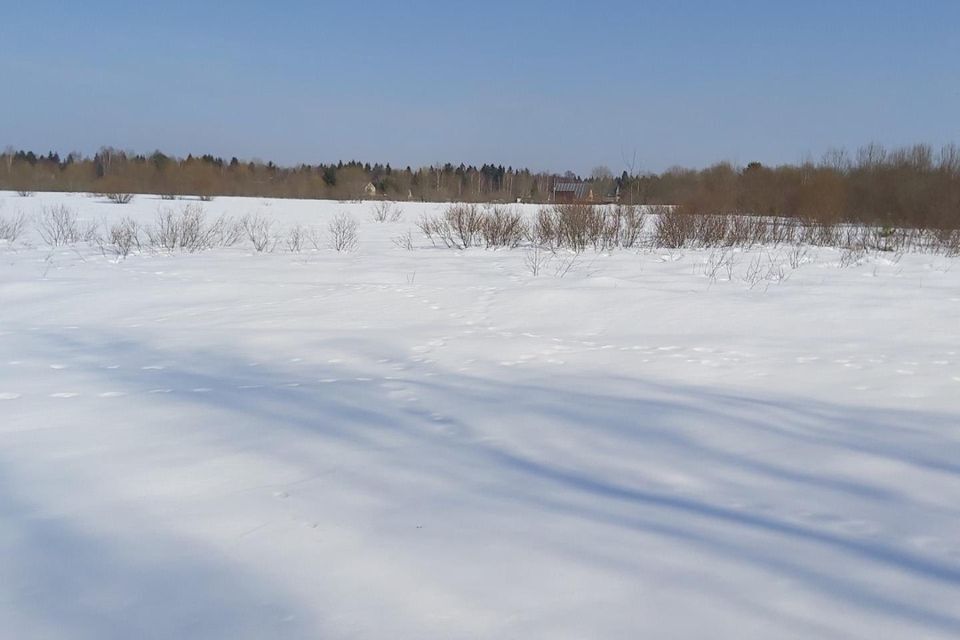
6 395
64 394
58 366
111 394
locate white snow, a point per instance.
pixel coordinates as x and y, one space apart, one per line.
437 444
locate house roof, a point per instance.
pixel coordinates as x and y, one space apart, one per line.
578 189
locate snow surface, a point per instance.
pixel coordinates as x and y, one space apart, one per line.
437 444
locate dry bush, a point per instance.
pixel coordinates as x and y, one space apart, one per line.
296 238
259 231
820 233
122 238
798 256
629 220
720 261
765 268
543 230
343 233
851 257
386 211
577 226
745 231
536 259
710 230
460 226
189 230
464 223
59 226
12 228
503 227
404 241
581 226
674 227
24 193
119 198
947 241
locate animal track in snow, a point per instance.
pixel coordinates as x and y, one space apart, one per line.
7 395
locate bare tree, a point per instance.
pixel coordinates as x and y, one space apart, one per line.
343 233
12 228
259 231
386 211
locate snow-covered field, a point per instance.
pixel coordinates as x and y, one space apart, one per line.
432 443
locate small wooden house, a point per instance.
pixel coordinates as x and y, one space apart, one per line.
570 192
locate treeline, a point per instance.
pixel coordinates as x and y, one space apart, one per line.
913 186
907 187
113 171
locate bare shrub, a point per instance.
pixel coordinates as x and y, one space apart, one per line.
460 226
566 264
12 228
543 231
259 231
719 262
343 233
190 231
386 211
296 238
779 231
316 237
710 230
797 256
745 231
948 241
464 223
629 222
503 227
536 258
122 238
404 241
820 233
766 269
577 225
59 226
119 198
24 193
674 227
851 257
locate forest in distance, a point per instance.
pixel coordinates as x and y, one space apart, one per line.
916 186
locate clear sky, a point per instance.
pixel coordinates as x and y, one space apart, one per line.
550 85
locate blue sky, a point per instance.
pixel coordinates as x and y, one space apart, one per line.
549 85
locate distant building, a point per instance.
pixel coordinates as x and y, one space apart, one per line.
570 192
